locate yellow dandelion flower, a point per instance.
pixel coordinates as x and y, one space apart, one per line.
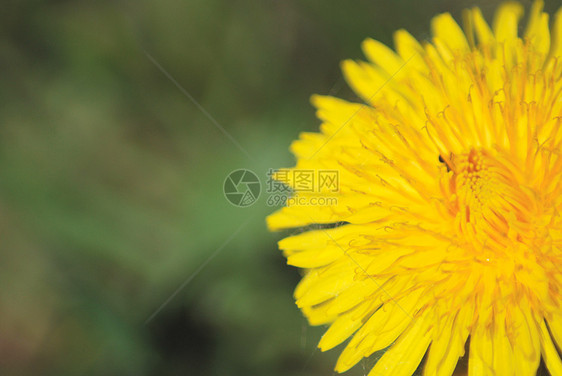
447 231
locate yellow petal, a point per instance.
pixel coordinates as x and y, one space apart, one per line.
345 325
468 25
506 21
335 112
503 352
410 50
540 37
555 325
405 355
382 56
318 315
549 352
368 81
448 343
481 353
483 31
313 258
556 47
446 29
534 17
382 328
361 291
288 217
537 28
525 339
326 283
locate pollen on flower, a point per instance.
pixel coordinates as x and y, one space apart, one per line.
486 196
450 198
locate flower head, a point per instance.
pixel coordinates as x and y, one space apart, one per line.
447 231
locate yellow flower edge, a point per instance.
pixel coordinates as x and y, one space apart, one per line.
450 179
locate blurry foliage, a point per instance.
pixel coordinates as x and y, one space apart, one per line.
111 179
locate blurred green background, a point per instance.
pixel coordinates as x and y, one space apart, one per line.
119 253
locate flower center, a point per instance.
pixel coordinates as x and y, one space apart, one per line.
491 208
